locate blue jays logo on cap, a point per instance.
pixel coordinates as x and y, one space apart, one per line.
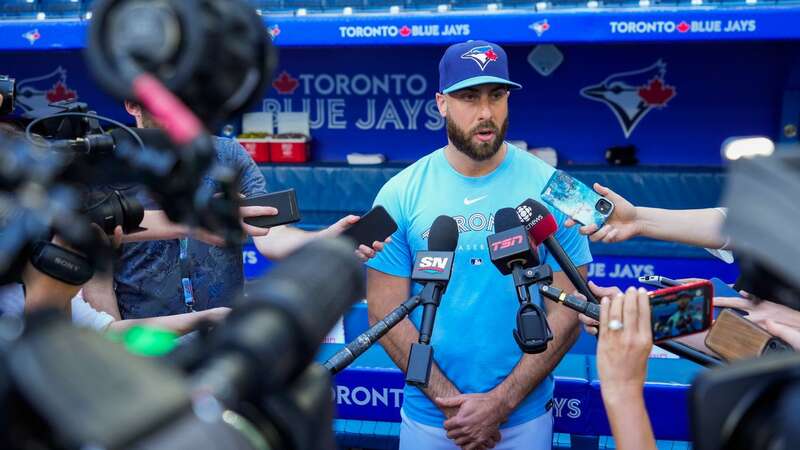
482 55
457 71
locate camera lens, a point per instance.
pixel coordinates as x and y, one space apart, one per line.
603 206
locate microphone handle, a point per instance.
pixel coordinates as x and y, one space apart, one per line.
359 345
569 268
582 306
430 296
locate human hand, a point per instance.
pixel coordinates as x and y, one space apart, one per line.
210 238
363 252
216 314
589 324
476 424
620 226
762 311
789 334
622 352
255 211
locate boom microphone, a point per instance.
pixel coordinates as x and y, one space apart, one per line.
432 268
364 341
541 226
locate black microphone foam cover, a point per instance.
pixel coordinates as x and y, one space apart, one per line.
505 219
443 236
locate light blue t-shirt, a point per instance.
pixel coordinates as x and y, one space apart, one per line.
472 336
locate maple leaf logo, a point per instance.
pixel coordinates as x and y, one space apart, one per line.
683 27
656 93
405 31
60 92
285 84
491 55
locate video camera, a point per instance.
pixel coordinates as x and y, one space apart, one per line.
247 384
167 61
755 404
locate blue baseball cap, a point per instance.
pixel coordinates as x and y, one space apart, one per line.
472 63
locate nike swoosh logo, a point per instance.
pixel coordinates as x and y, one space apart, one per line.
468 201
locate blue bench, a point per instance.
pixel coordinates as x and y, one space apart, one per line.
368 396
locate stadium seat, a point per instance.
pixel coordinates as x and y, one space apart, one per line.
337 5
383 4
470 4
61 8
268 6
425 4
311 5
18 8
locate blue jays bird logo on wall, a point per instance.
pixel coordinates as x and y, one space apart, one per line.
631 95
482 55
539 27
38 92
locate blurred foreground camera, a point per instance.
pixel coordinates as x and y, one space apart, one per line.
114 209
248 384
755 404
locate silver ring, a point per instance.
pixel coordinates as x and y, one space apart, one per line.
615 325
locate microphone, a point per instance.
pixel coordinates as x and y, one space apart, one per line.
578 304
541 226
511 252
509 246
359 345
433 269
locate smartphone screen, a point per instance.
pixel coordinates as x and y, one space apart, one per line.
681 310
576 200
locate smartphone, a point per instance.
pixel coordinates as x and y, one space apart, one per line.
658 281
284 201
576 200
375 225
681 310
733 337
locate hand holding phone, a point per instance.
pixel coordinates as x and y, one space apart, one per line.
284 201
681 310
733 337
375 225
576 200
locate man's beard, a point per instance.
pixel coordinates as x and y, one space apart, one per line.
462 141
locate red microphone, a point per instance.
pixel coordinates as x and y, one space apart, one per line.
541 226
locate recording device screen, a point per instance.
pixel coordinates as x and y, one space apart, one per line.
681 310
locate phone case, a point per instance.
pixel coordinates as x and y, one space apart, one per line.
284 201
733 337
575 199
678 322
375 225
